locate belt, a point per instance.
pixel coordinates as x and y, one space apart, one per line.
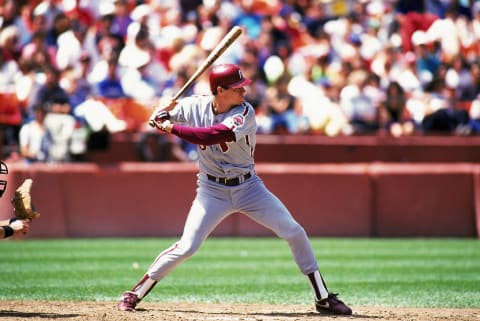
229 181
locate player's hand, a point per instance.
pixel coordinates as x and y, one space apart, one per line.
165 125
20 226
161 116
161 111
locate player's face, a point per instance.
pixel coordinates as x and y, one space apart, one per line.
231 96
235 95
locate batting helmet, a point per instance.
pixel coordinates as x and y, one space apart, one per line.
3 183
227 76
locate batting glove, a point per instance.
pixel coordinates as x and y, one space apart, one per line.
164 124
162 116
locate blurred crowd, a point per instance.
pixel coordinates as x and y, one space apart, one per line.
74 72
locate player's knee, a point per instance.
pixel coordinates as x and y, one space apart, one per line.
294 232
187 250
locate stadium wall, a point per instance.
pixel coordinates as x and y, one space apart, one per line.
329 200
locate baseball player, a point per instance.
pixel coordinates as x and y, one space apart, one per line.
12 226
223 126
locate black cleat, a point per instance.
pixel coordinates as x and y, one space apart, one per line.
332 305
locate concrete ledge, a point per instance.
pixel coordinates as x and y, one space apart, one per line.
348 200
322 149
371 148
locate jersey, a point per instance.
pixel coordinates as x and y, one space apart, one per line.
215 201
229 159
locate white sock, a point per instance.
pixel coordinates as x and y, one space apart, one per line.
319 288
144 286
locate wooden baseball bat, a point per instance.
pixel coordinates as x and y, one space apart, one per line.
223 45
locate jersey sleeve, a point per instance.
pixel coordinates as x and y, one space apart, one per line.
241 120
205 136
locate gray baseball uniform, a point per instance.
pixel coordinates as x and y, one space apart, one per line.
227 183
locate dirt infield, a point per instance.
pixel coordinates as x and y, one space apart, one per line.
105 311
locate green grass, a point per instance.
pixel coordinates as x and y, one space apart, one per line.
368 272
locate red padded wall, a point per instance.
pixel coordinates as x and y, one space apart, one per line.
423 200
353 200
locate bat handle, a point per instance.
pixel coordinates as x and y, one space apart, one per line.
151 123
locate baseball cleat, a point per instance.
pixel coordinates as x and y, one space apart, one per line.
128 301
332 305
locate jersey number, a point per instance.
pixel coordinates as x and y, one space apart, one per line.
224 146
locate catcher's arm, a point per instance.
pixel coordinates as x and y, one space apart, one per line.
12 227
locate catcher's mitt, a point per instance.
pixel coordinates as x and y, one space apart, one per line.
22 202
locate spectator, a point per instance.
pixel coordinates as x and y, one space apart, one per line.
25 84
360 108
36 45
407 74
121 18
444 30
51 94
427 59
283 108
394 115
474 114
33 137
93 109
74 81
110 87
9 43
109 48
322 113
60 129
48 9
77 12
70 46
9 17
144 77
61 23
9 71
475 75
445 117
59 122
10 113
459 77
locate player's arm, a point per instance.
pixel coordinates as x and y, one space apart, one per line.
201 136
216 134
13 226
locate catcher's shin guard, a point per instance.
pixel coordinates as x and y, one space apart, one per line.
319 288
144 286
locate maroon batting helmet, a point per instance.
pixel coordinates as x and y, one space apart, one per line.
227 76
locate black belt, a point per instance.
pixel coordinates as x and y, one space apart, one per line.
229 181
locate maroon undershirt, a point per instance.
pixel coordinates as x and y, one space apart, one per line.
204 136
